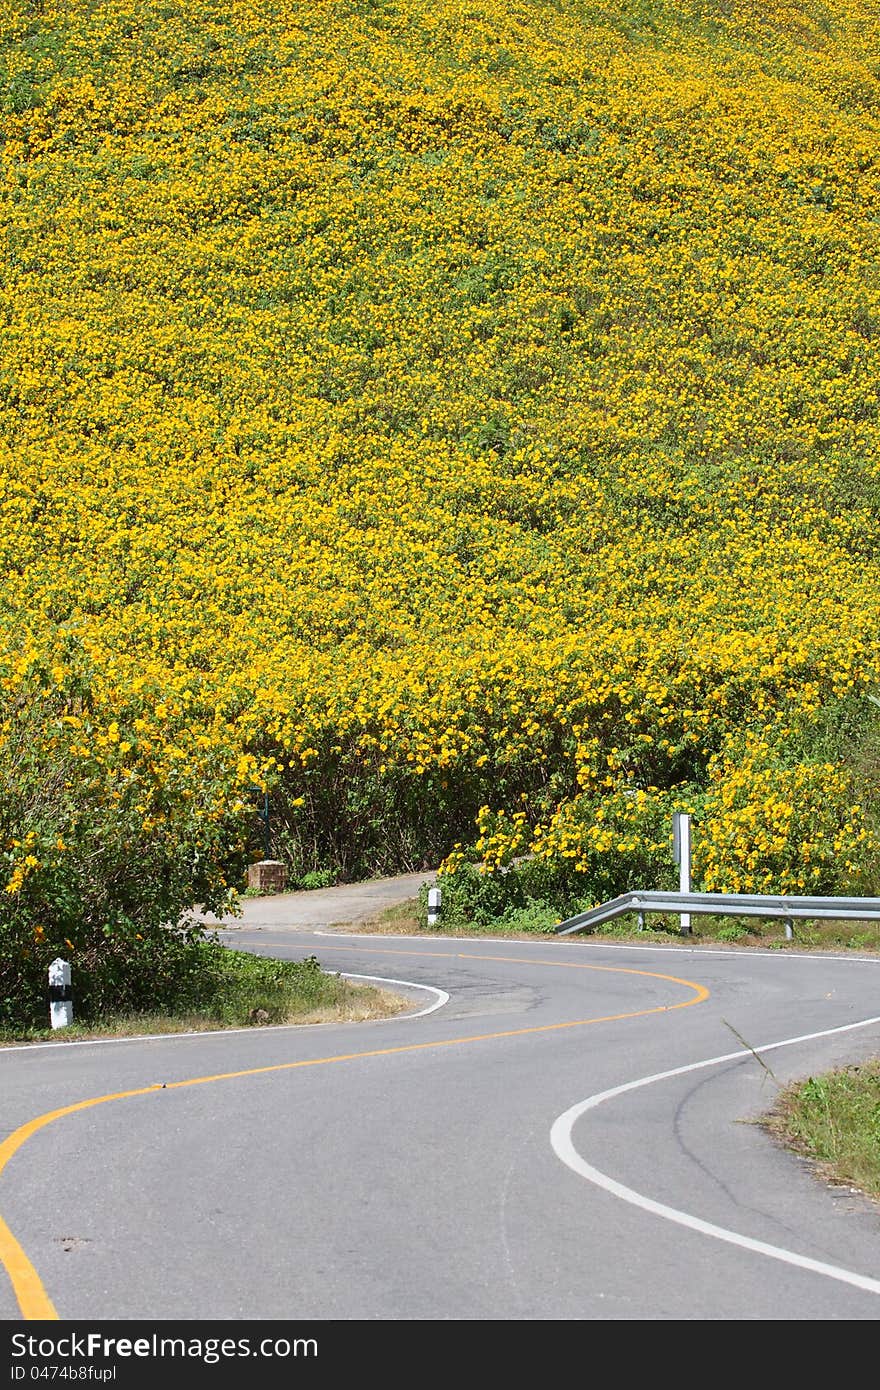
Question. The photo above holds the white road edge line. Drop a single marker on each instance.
(563, 1147)
(442, 998)
(602, 945)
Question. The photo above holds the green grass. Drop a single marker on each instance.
(835, 1121)
(749, 931)
(536, 919)
(409, 918)
(238, 990)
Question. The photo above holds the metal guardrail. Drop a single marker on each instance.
(725, 905)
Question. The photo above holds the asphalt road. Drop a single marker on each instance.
(454, 1163)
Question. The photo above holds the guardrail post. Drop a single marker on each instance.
(60, 994)
(789, 929)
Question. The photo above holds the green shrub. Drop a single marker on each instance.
(102, 853)
(317, 878)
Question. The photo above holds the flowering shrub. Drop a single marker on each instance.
(430, 411)
(107, 836)
(777, 823)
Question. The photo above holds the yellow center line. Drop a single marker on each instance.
(32, 1298)
(528, 960)
(520, 960)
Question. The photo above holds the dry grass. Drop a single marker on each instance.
(361, 1003)
(402, 919)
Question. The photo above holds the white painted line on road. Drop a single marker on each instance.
(442, 998)
(417, 936)
(563, 1147)
(665, 949)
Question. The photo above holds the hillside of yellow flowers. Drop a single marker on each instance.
(460, 418)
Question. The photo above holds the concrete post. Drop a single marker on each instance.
(434, 899)
(60, 996)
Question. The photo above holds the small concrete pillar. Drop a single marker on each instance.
(60, 994)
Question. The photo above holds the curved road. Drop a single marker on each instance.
(489, 1156)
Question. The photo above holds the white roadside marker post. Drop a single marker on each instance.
(681, 848)
(434, 900)
(60, 996)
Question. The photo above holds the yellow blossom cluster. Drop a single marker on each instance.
(772, 828)
(419, 407)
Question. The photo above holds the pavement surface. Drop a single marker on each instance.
(344, 905)
(559, 1130)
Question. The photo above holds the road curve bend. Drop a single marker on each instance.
(558, 1129)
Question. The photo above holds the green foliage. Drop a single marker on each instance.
(237, 988)
(345, 821)
(469, 897)
(735, 932)
(526, 897)
(317, 878)
(537, 916)
(205, 985)
(102, 853)
(22, 94)
(469, 909)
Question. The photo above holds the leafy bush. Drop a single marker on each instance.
(105, 844)
(734, 932)
(317, 878)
